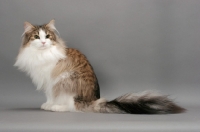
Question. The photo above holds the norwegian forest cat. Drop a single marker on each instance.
(68, 79)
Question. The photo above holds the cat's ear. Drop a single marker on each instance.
(51, 26)
(27, 27)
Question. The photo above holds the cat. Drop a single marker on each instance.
(69, 82)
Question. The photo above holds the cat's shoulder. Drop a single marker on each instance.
(72, 52)
(76, 57)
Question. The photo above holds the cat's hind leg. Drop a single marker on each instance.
(59, 108)
(63, 102)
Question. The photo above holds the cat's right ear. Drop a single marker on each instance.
(27, 27)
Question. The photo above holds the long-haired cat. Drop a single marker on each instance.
(68, 79)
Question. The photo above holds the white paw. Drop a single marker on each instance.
(46, 106)
(59, 108)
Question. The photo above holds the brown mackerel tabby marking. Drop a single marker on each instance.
(81, 81)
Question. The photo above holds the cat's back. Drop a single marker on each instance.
(75, 62)
(78, 60)
(75, 55)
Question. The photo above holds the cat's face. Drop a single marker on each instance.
(39, 37)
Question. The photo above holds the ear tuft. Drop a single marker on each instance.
(51, 26)
(27, 27)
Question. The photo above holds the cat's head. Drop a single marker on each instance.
(39, 37)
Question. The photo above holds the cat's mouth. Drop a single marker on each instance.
(43, 47)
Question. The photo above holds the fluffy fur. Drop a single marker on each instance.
(68, 79)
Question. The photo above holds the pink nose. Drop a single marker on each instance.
(43, 42)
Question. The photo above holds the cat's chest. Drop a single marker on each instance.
(41, 74)
(39, 64)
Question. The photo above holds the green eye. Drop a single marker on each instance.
(47, 36)
(36, 37)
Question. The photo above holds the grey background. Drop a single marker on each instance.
(133, 45)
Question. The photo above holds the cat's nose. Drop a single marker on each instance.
(43, 42)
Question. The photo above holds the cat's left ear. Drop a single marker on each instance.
(51, 26)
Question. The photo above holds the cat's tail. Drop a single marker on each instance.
(141, 103)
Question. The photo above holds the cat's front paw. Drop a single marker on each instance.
(46, 106)
(59, 108)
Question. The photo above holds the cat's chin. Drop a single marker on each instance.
(39, 47)
(43, 48)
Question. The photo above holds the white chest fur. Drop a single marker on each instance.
(38, 64)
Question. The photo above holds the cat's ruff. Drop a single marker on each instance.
(69, 81)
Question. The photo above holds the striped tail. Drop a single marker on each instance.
(142, 103)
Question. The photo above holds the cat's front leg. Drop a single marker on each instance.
(49, 103)
(46, 106)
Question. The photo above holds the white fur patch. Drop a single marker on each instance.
(42, 35)
(65, 101)
(38, 64)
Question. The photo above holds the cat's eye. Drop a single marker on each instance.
(47, 36)
(36, 37)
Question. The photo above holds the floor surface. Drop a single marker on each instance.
(16, 119)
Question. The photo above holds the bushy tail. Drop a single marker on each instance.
(142, 103)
